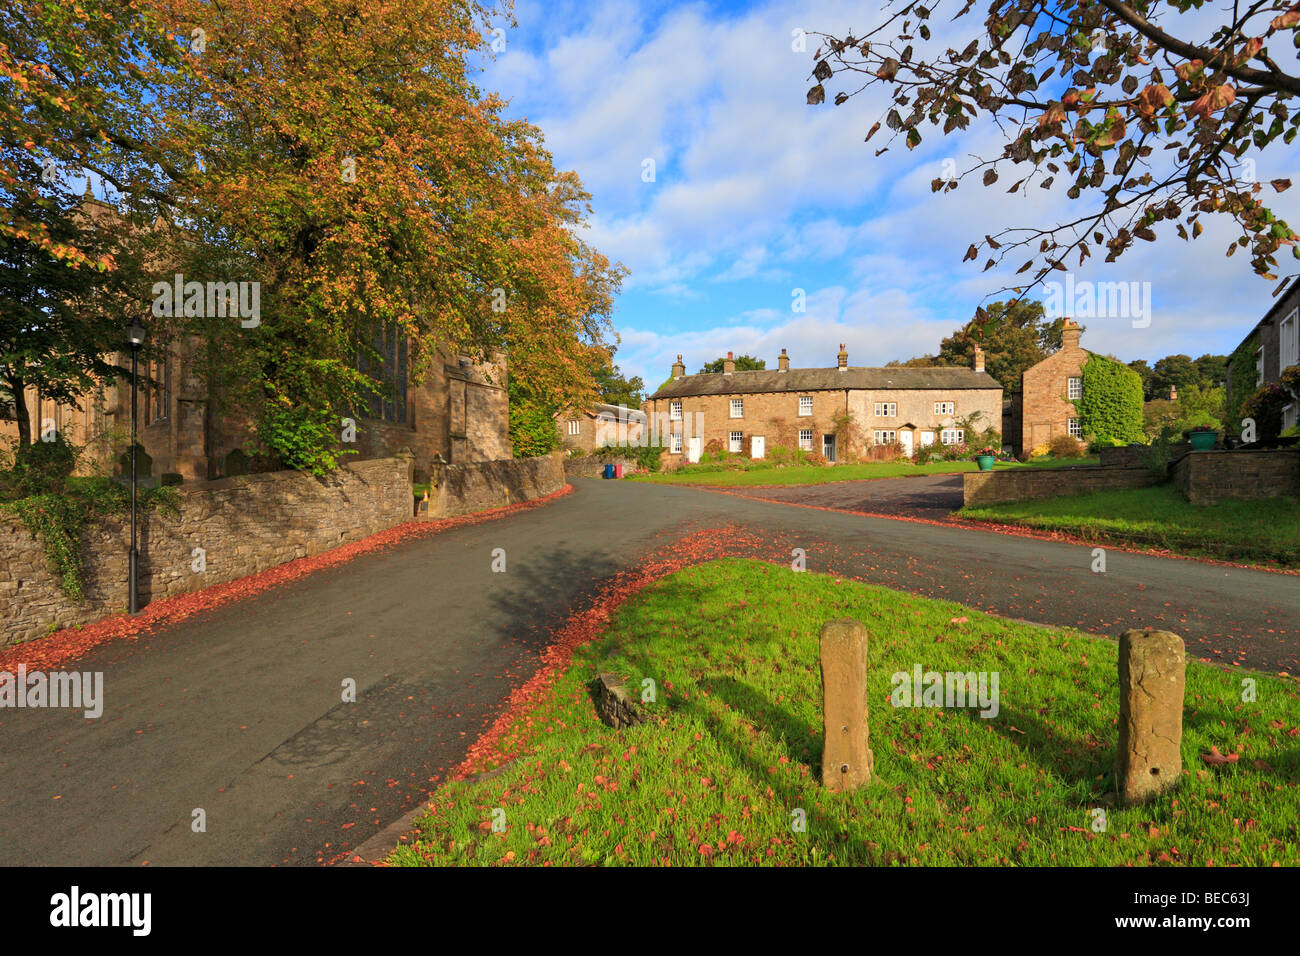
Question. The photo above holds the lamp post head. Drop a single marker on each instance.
(135, 334)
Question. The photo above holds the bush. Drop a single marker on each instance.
(533, 431)
(1111, 405)
(43, 467)
(1065, 446)
(1265, 406)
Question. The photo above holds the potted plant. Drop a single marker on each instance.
(1202, 437)
(985, 458)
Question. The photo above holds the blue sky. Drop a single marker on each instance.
(756, 194)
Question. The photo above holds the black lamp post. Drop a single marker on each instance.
(134, 336)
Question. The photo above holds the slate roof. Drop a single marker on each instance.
(825, 379)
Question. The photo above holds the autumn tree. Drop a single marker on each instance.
(615, 388)
(356, 172)
(77, 84)
(1126, 102)
(1014, 335)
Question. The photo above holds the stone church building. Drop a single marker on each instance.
(458, 414)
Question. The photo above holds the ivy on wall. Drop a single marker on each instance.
(1110, 410)
(1242, 376)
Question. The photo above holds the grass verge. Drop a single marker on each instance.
(1265, 532)
(735, 747)
(748, 475)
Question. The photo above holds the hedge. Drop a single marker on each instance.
(1110, 409)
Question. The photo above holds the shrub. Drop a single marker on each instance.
(1065, 446)
(1111, 405)
(1265, 406)
(43, 466)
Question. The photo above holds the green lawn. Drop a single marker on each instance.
(726, 475)
(735, 747)
(1265, 531)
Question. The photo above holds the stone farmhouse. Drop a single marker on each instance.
(602, 424)
(459, 414)
(839, 412)
(1042, 407)
(1275, 346)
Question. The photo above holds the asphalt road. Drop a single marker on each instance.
(239, 712)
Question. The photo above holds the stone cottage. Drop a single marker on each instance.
(587, 429)
(839, 412)
(1271, 347)
(1042, 407)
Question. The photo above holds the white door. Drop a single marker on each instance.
(756, 446)
(905, 439)
(694, 447)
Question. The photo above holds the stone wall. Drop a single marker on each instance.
(477, 486)
(243, 524)
(1024, 484)
(1208, 477)
(589, 466)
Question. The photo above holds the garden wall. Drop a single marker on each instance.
(1208, 477)
(243, 524)
(1024, 484)
(476, 486)
(589, 466)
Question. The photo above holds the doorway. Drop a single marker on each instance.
(828, 447)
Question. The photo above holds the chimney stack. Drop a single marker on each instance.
(1173, 393)
(844, 358)
(979, 359)
(1070, 336)
(678, 368)
(783, 362)
(729, 366)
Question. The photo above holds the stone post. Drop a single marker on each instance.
(846, 756)
(1152, 673)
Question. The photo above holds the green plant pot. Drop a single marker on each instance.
(985, 462)
(1202, 441)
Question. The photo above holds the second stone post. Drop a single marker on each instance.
(1152, 674)
(846, 754)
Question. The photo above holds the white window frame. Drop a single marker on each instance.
(805, 439)
(1074, 428)
(675, 410)
(805, 405)
(575, 427)
(674, 444)
(886, 409)
(952, 436)
(735, 442)
(945, 408)
(1288, 340)
(737, 408)
(885, 436)
(1073, 388)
